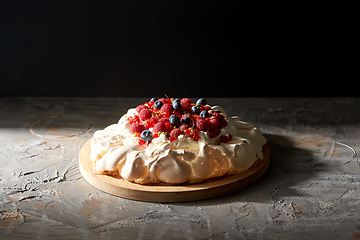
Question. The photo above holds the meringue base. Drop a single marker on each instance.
(163, 192)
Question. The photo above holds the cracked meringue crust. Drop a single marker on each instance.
(115, 151)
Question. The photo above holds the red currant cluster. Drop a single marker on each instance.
(175, 117)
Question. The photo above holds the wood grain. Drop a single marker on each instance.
(170, 193)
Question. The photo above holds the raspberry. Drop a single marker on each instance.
(169, 127)
(178, 112)
(224, 123)
(206, 107)
(136, 128)
(163, 120)
(226, 138)
(162, 100)
(183, 127)
(175, 132)
(186, 100)
(201, 124)
(160, 128)
(186, 107)
(218, 115)
(140, 108)
(145, 114)
(215, 122)
(167, 108)
(213, 132)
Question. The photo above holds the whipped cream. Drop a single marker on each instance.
(116, 151)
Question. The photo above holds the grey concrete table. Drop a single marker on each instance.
(311, 190)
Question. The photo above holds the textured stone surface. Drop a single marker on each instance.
(311, 190)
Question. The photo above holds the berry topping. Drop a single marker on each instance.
(139, 108)
(186, 120)
(158, 104)
(206, 107)
(218, 115)
(226, 138)
(201, 124)
(150, 122)
(174, 120)
(159, 128)
(186, 107)
(192, 133)
(195, 109)
(186, 100)
(169, 127)
(201, 101)
(183, 127)
(224, 123)
(134, 119)
(175, 132)
(214, 132)
(176, 104)
(145, 114)
(163, 120)
(174, 117)
(204, 114)
(146, 135)
(167, 108)
(136, 128)
(215, 122)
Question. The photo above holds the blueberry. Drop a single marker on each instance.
(153, 99)
(204, 114)
(195, 109)
(176, 105)
(201, 101)
(186, 120)
(174, 120)
(146, 135)
(176, 100)
(158, 104)
(217, 111)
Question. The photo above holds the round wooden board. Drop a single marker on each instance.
(170, 193)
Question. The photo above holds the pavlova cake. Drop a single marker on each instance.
(176, 141)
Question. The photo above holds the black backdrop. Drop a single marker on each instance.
(152, 48)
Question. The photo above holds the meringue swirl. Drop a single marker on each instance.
(115, 151)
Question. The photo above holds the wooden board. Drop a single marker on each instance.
(168, 193)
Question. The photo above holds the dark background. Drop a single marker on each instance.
(152, 48)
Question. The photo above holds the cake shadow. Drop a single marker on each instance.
(290, 165)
